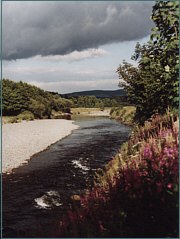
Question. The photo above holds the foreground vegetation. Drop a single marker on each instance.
(137, 196)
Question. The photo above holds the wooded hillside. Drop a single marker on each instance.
(18, 97)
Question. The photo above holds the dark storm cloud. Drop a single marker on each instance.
(57, 28)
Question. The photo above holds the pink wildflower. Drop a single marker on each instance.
(169, 185)
(156, 167)
(101, 226)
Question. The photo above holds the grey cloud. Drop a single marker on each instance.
(58, 28)
(57, 74)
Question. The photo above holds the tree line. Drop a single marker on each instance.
(154, 85)
(18, 97)
(80, 101)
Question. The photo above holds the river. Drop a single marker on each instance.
(36, 195)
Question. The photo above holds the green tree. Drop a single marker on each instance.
(114, 103)
(166, 36)
(107, 102)
(68, 105)
(15, 99)
(18, 97)
(154, 84)
(37, 108)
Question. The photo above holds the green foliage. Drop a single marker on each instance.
(115, 110)
(18, 97)
(60, 104)
(112, 110)
(37, 108)
(14, 120)
(26, 115)
(124, 114)
(80, 101)
(124, 100)
(154, 84)
(15, 99)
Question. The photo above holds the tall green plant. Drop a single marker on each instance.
(166, 37)
(154, 84)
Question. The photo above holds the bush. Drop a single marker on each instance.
(123, 112)
(26, 115)
(116, 109)
(120, 107)
(37, 108)
(129, 117)
(112, 110)
(117, 112)
(14, 120)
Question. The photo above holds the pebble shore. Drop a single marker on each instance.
(20, 141)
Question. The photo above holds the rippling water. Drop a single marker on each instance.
(36, 193)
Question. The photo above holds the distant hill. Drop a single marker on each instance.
(99, 93)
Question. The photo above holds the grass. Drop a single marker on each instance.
(124, 114)
(26, 115)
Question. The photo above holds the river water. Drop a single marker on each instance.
(35, 196)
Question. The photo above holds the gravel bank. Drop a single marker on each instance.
(22, 140)
(100, 113)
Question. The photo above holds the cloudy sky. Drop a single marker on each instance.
(71, 46)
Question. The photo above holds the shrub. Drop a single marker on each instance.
(120, 107)
(117, 112)
(26, 115)
(14, 120)
(112, 110)
(37, 108)
(123, 112)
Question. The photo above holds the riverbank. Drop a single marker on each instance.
(91, 111)
(22, 140)
(124, 115)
